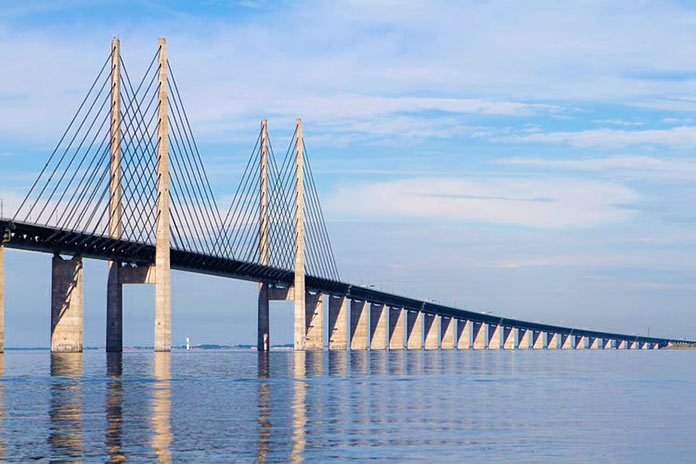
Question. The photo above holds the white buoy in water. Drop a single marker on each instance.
(188, 344)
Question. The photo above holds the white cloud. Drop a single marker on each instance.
(677, 137)
(645, 167)
(555, 203)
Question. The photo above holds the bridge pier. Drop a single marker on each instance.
(479, 330)
(552, 341)
(594, 343)
(66, 305)
(524, 337)
(447, 333)
(463, 334)
(414, 330)
(493, 337)
(508, 338)
(338, 322)
(378, 327)
(314, 320)
(607, 344)
(396, 328)
(430, 329)
(566, 342)
(537, 340)
(579, 342)
(263, 335)
(2, 294)
(358, 325)
(621, 344)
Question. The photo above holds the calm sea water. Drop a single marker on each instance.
(230, 406)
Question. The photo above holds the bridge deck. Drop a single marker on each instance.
(52, 240)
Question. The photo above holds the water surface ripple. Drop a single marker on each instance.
(435, 406)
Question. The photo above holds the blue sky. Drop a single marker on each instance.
(532, 159)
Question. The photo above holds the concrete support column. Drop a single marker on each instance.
(537, 340)
(508, 338)
(299, 286)
(447, 333)
(396, 328)
(633, 345)
(114, 288)
(263, 340)
(566, 342)
(163, 292)
(414, 330)
(358, 325)
(314, 318)
(378, 327)
(463, 334)
(655, 346)
(606, 344)
(594, 343)
(66, 305)
(525, 338)
(493, 337)
(621, 344)
(2, 295)
(338, 323)
(431, 330)
(552, 341)
(579, 342)
(479, 330)
(644, 346)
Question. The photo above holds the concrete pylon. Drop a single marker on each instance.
(414, 330)
(2, 294)
(338, 323)
(633, 345)
(114, 288)
(508, 338)
(66, 305)
(163, 291)
(447, 333)
(299, 298)
(645, 346)
(478, 332)
(358, 325)
(378, 327)
(552, 341)
(566, 342)
(396, 328)
(538, 340)
(524, 336)
(431, 331)
(493, 337)
(621, 345)
(314, 318)
(263, 337)
(579, 342)
(606, 344)
(463, 334)
(594, 343)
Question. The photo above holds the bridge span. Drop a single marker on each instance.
(126, 184)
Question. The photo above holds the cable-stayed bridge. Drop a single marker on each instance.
(127, 184)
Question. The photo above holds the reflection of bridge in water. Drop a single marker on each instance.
(126, 184)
